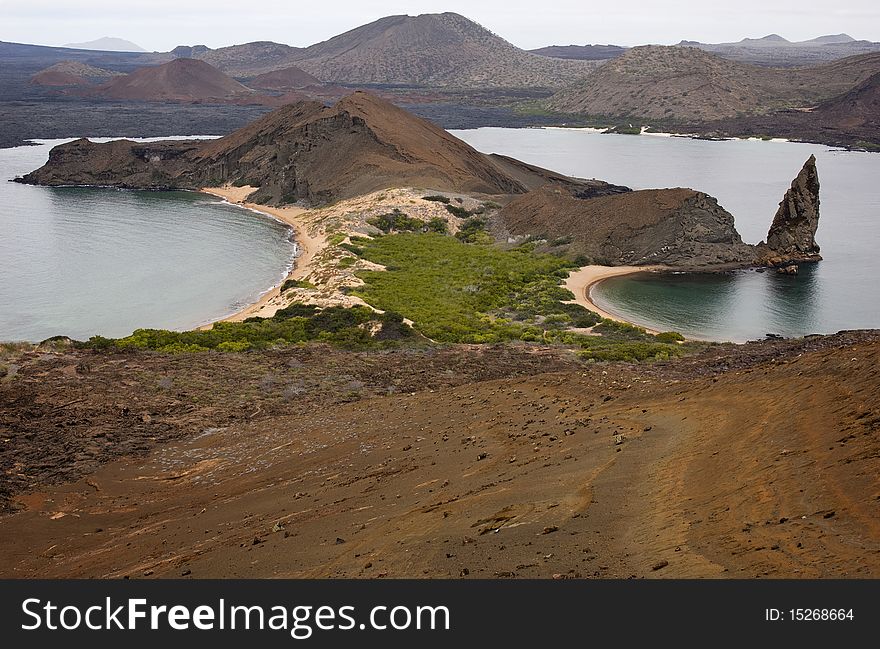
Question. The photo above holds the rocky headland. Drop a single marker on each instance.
(313, 155)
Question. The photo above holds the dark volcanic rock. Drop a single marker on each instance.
(121, 163)
(792, 236)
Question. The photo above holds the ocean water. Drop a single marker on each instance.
(80, 262)
(749, 178)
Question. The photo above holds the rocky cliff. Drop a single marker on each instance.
(792, 235)
(675, 227)
(121, 163)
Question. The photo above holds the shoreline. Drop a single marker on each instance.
(581, 282)
(307, 246)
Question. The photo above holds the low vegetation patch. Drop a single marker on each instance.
(296, 283)
(452, 291)
(474, 230)
(460, 289)
(397, 221)
(458, 210)
(351, 328)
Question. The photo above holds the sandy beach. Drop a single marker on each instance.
(308, 246)
(582, 280)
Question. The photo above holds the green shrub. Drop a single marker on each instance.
(438, 225)
(620, 330)
(669, 337)
(99, 342)
(396, 221)
(353, 249)
(234, 346)
(295, 283)
(631, 352)
(182, 348)
(473, 230)
(458, 211)
(436, 198)
(291, 311)
(298, 323)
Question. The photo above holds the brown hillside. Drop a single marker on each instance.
(687, 84)
(857, 109)
(291, 78)
(851, 119)
(361, 144)
(186, 80)
(250, 59)
(652, 226)
(746, 461)
(71, 73)
(304, 151)
(436, 50)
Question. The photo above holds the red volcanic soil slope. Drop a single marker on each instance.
(71, 73)
(759, 460)
(291, 78)
(186, 80)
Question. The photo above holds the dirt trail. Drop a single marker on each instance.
(729, 466)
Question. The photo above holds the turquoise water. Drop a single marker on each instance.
(749, 179)
(79, 262)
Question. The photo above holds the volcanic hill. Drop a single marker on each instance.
(446, 50)
(290, 78)
(484, 461)
(108, 44)
(685, 84)
(437, 50)
(302, 151)
(858, 108)
(71, 73)
(248, 59)
(184, 80)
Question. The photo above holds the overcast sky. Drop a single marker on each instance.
(162, 24)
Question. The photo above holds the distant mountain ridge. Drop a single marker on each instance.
(774, 40)
(774, 50)
(108, 44)
(581, 52)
